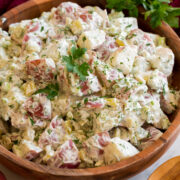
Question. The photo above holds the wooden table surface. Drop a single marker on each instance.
(172, 152)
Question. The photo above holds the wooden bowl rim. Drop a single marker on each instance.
(156, 147)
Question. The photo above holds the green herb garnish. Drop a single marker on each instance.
(157, 10)
(32, 121)
(42, 28)
(51, 90)
(16, 142)
(49, 131)
(85, 100)
(164, 90)
(76, 141)
(72, 65)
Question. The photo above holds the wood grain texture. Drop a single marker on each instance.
(170, 170)
(124, 168)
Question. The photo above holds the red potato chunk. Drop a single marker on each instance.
(94, 146)
(154, 134)
(31, 155)
(108, 75)
(41, 69)
(38, 107)
(27, 150)
(66, 9)
(127, 87)
(90, 104)
(66, 156)
(91, 85)
(93, 102)
(145, 44)
(33, 27)
(73, 11)
(70, 83)
(105, 50)
(69, 11)
(54, 133)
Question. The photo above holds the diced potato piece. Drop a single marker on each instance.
(18, 30)
(126, 23)
(115, 14)
(153, 135)
(106, 119)
(91, 85)
(29, 134)
(170, 101)
(91, 39)
(163, 60)
(54, 134)
(106, 49)
(123, 58)
(61, 105)
(6, 142)
(143, 41)
(136, 135)
(41, 69)
(157, 81)
(94, 146)
(124, 88)
(140, 67)
(83, 156)
(122, 133)
(153, 114)
(56, 49)
(78, 26)
(29, 88)
(32, 43)
(121, 150)
(68, 126)
(18, 120)
(27, 150)
(93, 102)
(49, 153)
(107, 74)
(158, 40)
(3, 57)
(66, 156)
(132, 121)
(39, 107)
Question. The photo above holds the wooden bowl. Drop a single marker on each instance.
(168, 170)
(124, 168)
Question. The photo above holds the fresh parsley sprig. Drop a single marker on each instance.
(157, 10)
(50, 90)
(72, 65)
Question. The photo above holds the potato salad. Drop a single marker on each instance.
(83, 88)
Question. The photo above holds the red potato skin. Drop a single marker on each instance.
(40, 70)
(38, 111)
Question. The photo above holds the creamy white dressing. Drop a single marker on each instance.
(64, 117)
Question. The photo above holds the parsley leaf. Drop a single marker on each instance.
(77, 52)
(42, 28)
(51, 90)
(157, 10)
(32, 121)
(82, 70)
(49, 131)
(72, 65)
(69, 63)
